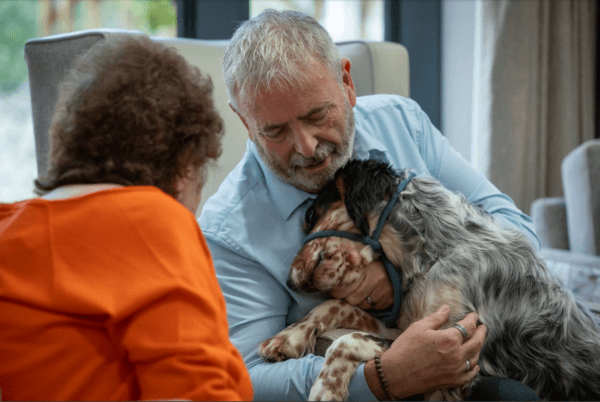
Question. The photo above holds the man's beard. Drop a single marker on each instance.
(312, 182)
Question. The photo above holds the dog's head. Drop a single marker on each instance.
(352, 202)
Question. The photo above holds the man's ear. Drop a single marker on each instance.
(242, 119)
(347, 81)
(179, 186)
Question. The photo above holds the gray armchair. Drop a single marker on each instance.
(569, 227)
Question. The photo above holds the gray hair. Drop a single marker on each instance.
(276, 48)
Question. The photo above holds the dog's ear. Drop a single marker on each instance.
(366, 185)
(400, 240)
(354, 204)
(361, 185)
(320, 205)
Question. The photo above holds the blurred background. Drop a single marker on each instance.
(21, 20)
(512, 84)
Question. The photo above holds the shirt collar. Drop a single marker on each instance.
(367, 147)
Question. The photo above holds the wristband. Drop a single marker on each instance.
(382, 380)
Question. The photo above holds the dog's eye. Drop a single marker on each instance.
(309, 215)
(311, 219)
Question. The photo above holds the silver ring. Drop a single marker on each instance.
(463, 330)
(369, 301)
(468, 367)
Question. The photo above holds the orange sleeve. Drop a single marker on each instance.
(173, 325)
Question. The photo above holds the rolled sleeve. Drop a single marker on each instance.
(457, 174)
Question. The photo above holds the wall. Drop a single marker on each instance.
(458, 29)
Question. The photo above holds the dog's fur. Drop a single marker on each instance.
(450, 252)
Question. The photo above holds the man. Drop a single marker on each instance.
(295, 95)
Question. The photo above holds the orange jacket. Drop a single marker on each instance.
(112, 295)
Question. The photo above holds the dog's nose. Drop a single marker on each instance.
(290, 284)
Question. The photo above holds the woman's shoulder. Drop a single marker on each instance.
(145, 205)
(136, 196)
(139, 208)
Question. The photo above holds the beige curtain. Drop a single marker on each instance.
(534, 91)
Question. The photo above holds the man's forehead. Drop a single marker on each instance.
(278, 106)
(312, 76)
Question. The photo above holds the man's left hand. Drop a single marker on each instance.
(373, 292)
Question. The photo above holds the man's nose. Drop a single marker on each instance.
(305, 140)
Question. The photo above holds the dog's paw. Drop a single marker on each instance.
(325, 390)
(333, 380)
(291, 343)
(341, 360)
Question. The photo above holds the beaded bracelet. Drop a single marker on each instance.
(382, 380)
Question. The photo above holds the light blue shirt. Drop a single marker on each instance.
(253, 228)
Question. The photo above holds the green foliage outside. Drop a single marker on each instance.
(161, 13)
(18, 23)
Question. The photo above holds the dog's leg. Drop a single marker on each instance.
(443, 289)
(341, 360)
(299, 339)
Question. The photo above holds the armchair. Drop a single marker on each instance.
(378, 67)
(569, 227)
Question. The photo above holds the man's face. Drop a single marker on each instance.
(306, 133)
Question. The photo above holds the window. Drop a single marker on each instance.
(21, 20)
(343, 19)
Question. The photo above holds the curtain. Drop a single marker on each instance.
(533, 93)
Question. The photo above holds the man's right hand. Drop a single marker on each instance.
(424, 358)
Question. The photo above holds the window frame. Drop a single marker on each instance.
(416, 24)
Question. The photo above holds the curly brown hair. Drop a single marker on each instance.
(133, 112)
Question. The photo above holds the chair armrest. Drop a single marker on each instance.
(579, 272)
(550, 219)
(581, 186)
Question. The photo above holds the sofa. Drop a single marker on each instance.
(569, 226)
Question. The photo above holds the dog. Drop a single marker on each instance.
(447, 251)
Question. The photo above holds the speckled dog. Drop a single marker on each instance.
(449, 252)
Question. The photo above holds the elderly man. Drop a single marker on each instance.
(295, 95)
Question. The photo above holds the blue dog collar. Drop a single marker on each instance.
(389, 318)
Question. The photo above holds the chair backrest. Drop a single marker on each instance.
(377, 67)
(581, 185)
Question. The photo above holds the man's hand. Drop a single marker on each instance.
(375, 285)
(424, 359)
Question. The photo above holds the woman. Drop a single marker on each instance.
(107, 288)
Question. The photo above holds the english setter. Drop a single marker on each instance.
(448, 252)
